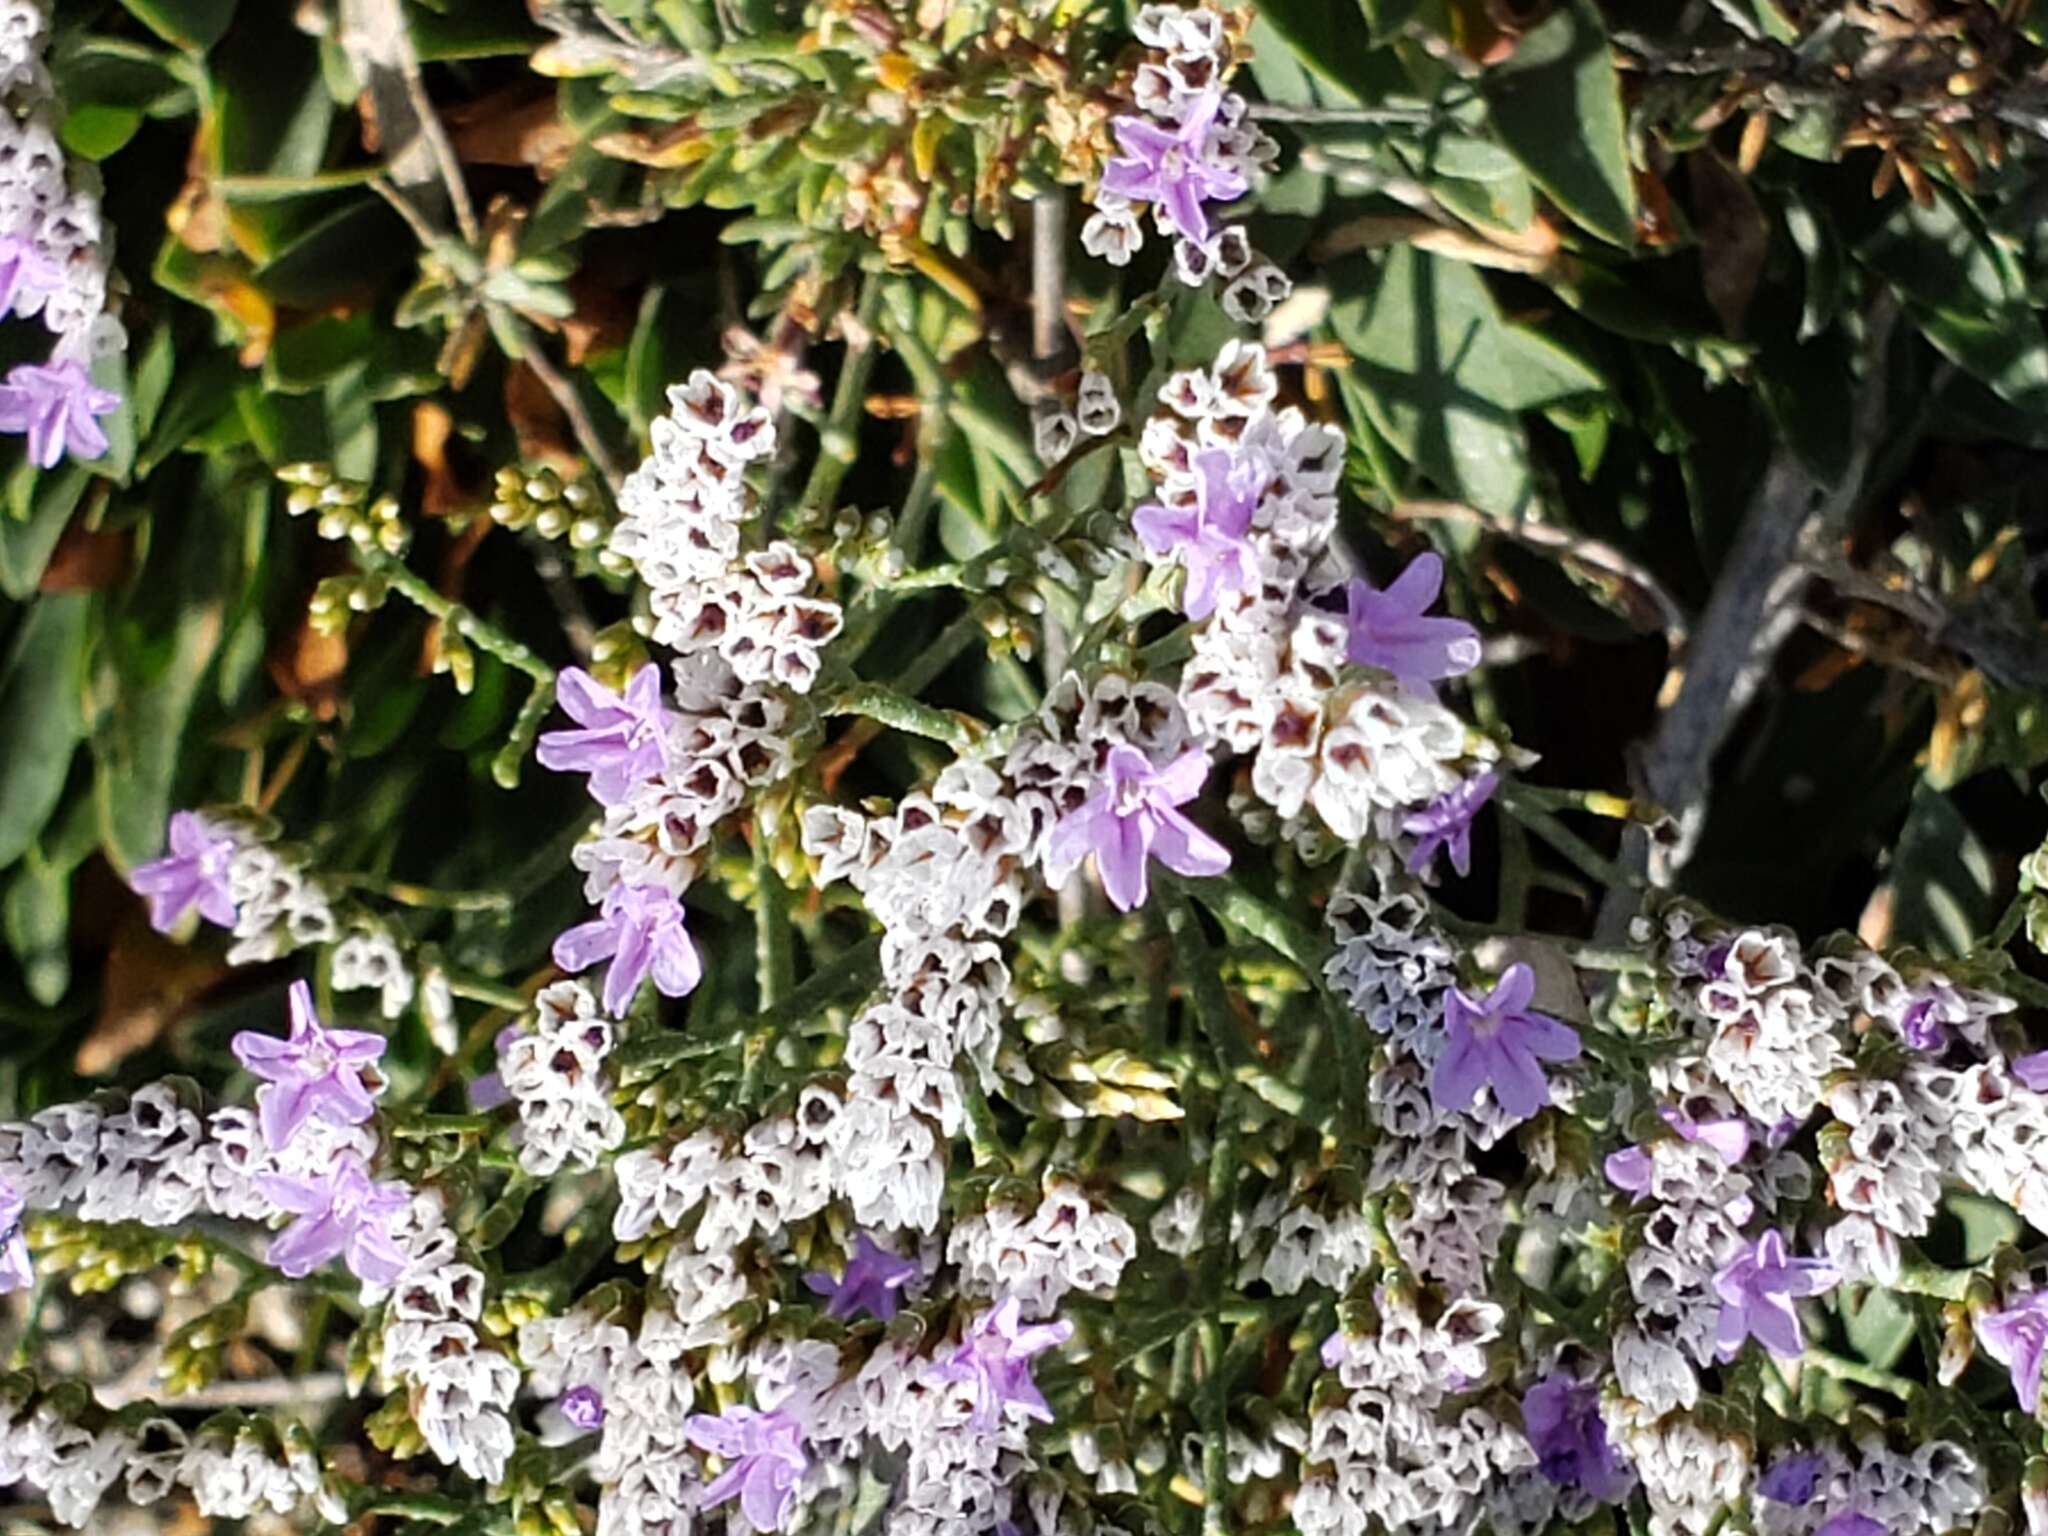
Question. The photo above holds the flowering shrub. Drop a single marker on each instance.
(1182, 976)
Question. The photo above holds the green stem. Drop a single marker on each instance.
(477, 990)
(479, 632)
(839, 437)
(511, 758)
(1855, 1371)
(1589, 860)
(409, 895)
(899, 711)
(774, 955)
(1199, 975)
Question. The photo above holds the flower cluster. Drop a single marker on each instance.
(1190, 144)
(554, 1072)
(1423, 1223)
(53, 258)
(686, 515)
(229, 867)
(234, 1467)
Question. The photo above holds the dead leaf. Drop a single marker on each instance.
(308, 667)
(446, 493)
(542, 428)
(148, 985)
(602, 320)
(514, 126)
(1733, 233)
(87, 560)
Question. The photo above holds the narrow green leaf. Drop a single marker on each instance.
(193, 24)
(1556, 102)
(41, 714)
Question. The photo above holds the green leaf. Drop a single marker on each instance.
(1942, 878)
(1962, 291)
(1988, 1225)
(41, 714)
(1323, 36)
(36, 917)
(38, 508)
(303, 357)
(1879, 1325)
(1442, 377)
(1556, 103)
(194, 24)
(96, 131)
(159, 638)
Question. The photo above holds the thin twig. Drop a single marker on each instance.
(1592, 554)
(272, 1392)
(1755, 604)
(592, 442)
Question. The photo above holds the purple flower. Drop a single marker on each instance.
(764, 1456)
(24, 270)
(55, 404)
(1728, 1137)
(1756, 1288)
(582, 1407)
(1850, 1523)
(1446, 822)
(873, 1277)
(996, 1356)
(1791, 1479)
(1499, 1041)
(1132, 818)
(16, 1271)
(489, 1090)
(1391, 630)
(2032, 1070)
(2015, 1338)
(623, 736)
(1631, 1168)
(193, 874)
(640, 929)
(1209, 536)
(316, 1073)
(1173, 168)
(1562, 1417)
(342, 1212)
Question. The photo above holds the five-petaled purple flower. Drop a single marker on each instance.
(316, 1073)
(1172, 167)
(24, 270)
(1131, 818)
(1562, 1417)
(342, 1212)
(996, 1356)
(622, 741)
(1392, 630)
(194, 873)
(1210, 535)
(1498, 1040)
(873, 1277)
(582, 1407)
(641, 930)
(1757, 1288)
(56, 405)
(1791, 1479)
(1851, 1523)
(16, 1271)
(764, 1456)
(1446, 822)
(2015, 1337)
